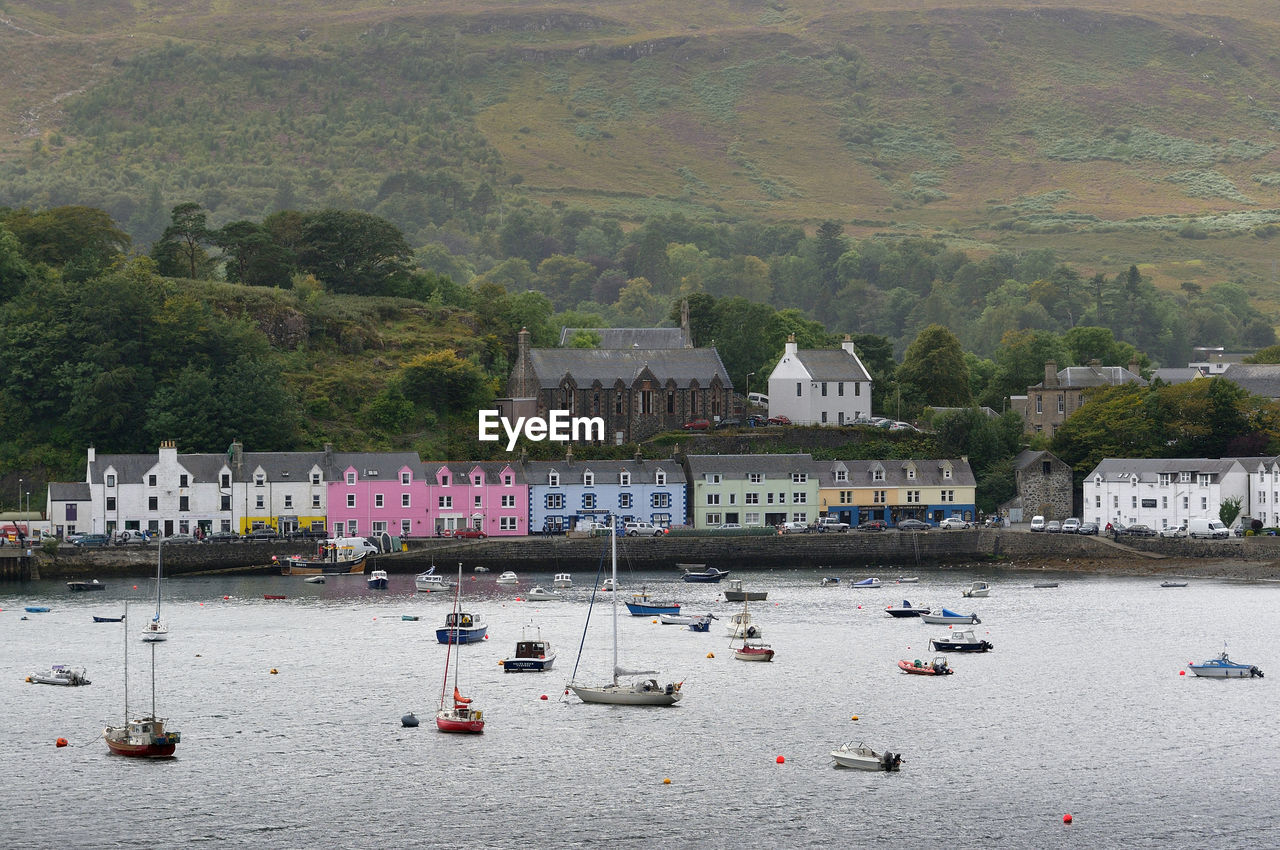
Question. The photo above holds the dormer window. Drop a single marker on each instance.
(315, 478)
(506, 481)
(911, 473)
(660, 478)
(259, 479)
(946, 472)
(478, 480)
(624, 479)
(754, 477)
(588, 479)
(404, 477)
(799, 477)
(111, 480)
(877, 474)
(553, 479)
(444, 480)
(351, 478)
(713, 478)
(842, 475)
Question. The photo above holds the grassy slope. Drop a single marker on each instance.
(735, 109)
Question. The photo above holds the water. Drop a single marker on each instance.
(1080, 708)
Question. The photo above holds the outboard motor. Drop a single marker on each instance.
(1254, 671)
(670, 689)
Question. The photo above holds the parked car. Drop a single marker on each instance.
(91, 541)
(260, 534)
(779, 420)
(1088, 528)
(912, 525)
(131, 536)
(1071, 525)
(1116, 529)
(174, 539)
(729, 526)
(873, 525)
(1211, 528)
(757, 420)
(731, 422)
(642, 529)
(830, 523)
(1174, 531)
(902, 426)
(469, 533)
(954, 522)
(1140, 530)
(1037, 523)
(223, 537)
(1052, 527)
(859, 420)
(794, 528)
(697, 425)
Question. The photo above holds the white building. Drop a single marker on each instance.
(1164, 492)
(1264, 490)
(820, 387)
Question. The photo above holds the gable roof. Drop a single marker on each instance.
(929, 473)
(1094, 376)
(1261, 379)
(70, 491)
(606, 472)
(739, 466)
(385, 466)
(633, 337)
(490, 469)
(588, 365)
(1027, 457)
(1149, 469)
(831, 364)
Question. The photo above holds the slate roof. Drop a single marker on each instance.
(826, 364)
(490, 469)
(633, 337)
(1148, 470)
(1095, 376)
(1176, 375)
(588, 365)
(929, 473)
(605, 471)
(131, 469)
(70, 491)
(1027, 457)
(385, 465)
(1261, 379)
(738, 466)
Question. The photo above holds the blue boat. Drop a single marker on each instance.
(37, 609)
(98, 619)
(867, 582)
(377, 580)
(707, 575)
(462, 628)
(1223, 667)
(641, 605)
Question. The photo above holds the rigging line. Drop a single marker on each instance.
(590, 607)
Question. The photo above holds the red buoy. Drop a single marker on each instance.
(61, 742)
(781, 760)
(1182, 672)
(544, 696)
(1066, 818)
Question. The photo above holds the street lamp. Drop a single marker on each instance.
(748, 390)
(19, 494)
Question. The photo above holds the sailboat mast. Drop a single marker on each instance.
(126, 662)
(153, 680)
(159, 562)
(452, 624)
(613, 555)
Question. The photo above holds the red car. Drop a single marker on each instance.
(473, 533)
(779, 420)
(697, 425)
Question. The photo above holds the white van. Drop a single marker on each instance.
(1207, 528)
(1037, 523)
(758, 399)
(351, 546)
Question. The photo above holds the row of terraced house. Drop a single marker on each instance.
(366, 493)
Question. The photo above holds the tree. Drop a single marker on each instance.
(933, 370)
(1229, 510)
(83, 241)
(15, 271)
(180, 249)
(444, 382)
(829, 246)
(353, 252)
(252, 257)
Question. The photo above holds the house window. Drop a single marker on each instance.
(506, 481)
(913, 497)
(1135, 502)
(1204, 503)
(769, 498)
(288, 503)
(1164, 502)
(877, 474)
(1184, 502)
(751, 499)
(624, 500)
(1097, 501)
(840, 389)
(315, 479)
(1203, 480)
(555, 501)
(646, 401)
(111, 503)
(799, 388)
(379, 526)
(754, 477)
(478, 502)
(948, 496)
(588, 479)
(713, 519)
(751, 518)
(153, 503)
(846, 497)
(404, 500)
(1184, 477)
(184, 503)
(800, 516)
(1062, 407)
(446, 503)
(877, 496)
(377, 500)
(111, 480)
(713, 498)
(508, 501)
(508, 523)
(225, 503)
(259, 479)
(824, 389)
(660, 478)
(671, 402)
(351, 478)
(225, 481)
(259, 505)
(444, 480)
(624, 479)
(842, 475)
(824, 417)
(946, 472)
(404, 477)
(1165, 478)
(183, 481)
(782, 498)
(799, 477)
(478, 480)
(713, 478)
(353, 527)
(1115, 501)
(553, 479)
(799, 498)
(911, 473)
(589, 502)
(661, 500)
(406, 527)
(857, 390)
(1039, 404)
(315, 501)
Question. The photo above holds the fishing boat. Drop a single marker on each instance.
(643, 605)
(508, 577)
(538, 593)
(979, 589)
(157, 629)
(960, 640)
(377, 580)
(1223, 667)
(751, 649)
(906, 609)
(937, 667)
(332, 560)
(617, 692)
(60, 674)
(98, 619)
(142, 737)
(862, 757)
(533, 654)
(81, 586)
(429, 582)
(314, 579)
(867, 582)
(950, 618)
(462, 716)
(36, 609)
(562, 581)
(460, 627)
(735, 593)
(703, 575)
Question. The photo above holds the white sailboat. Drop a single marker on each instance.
(157, 629)
(635, 692)
(141, 737)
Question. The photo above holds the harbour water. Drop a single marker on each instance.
(1079, 709)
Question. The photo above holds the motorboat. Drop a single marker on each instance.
(950, 618)
(735, 593)
(960, 640)
(678, 619)
(60, 674)
(562, 581)
(314, 579)
(702, 624)
(480, 569)
(1173, 584)
(98, 619)
(753, 650)
(906, 609)
(429, 582)
(862, 757)
(936, 667)
(81, 586)
(707, 575)
(608, 585)
(829, 581)
(907, 580)
(977, 589)
(533, 654)
(508, 577)
(377, 580)
(538, 593)
(36, 609)
(867, 582)
(741, 626)
(1223, 667)
(643, 605)
(460, 627)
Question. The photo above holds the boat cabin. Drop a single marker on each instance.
(453, 620)
(531, 649)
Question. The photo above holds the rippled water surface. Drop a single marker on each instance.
(1080, 708)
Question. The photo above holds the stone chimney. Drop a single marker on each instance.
(93, 454)
(568, 454)
(1050, 374)
(791, 346)
(639, 456)
(1133, 367)
(522, 377)
(169, 449)
(684, 323)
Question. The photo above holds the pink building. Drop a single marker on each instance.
(491, 496)
(373, 492)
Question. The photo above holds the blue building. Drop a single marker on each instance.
(563, 492)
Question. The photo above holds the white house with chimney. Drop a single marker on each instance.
(1166, 492)
(820, 386)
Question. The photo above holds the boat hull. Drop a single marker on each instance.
(81, 586)
(864, 758)
(465, 720)
(976, 594)
(638, 609)
(944, 619)
(98, 619)
(462, 634)
(746, 595)
(867, 582)
(924, 670)
(649, 693)
(142, 751)
(377, 584)
(753, 653)
(144, 739)
(1231, 671)
(527, 665)
(59, 675)
(312, 567)
(961, 646)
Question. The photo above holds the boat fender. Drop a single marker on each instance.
(466, 619)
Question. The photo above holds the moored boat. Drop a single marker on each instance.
(377, 580)
(829, 581)
(705, 575)
(735, 593)
(750, 649)
(1223, 667)
(741, 626)
(562, 580)
(977, 589)
(862, 757)
(98, 619)
(155, 628)
(1173, 584)
(508, 577)
(429, 582)
(336, 556)
(867, 582)
(142, 737)
(643, 605)
(533, 654)
(460, 627)
(907, 580)
(59, 674)
(960, 640)
(538, 593)
(314, 579)
(36, 609)
(950, 618)
(936, 667)
(462, 716)
(81, 586)
(907, 610)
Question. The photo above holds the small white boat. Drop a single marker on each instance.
(950, 618)
(977, 589)
(608, 584)
(429, 582)
(539, 593)
(867, 582)
(314, 579)
(908, 579)
(562, 580)
(59, 674)
(377, 580)
(862, 757)
(508, 578)
(677, 619)
(741, 626)
(829, 581)
(753, 650)
(480, 569)
(1223, 667)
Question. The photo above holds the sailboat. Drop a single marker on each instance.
(157, 629)
(751, 650)
(640, 692)
(462, 717)
(145, 737)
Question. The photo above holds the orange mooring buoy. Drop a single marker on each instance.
(61, 742)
